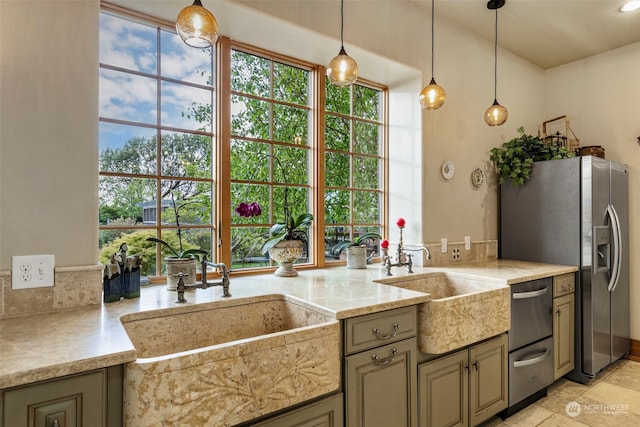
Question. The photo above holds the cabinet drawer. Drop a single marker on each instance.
(563, 284)
(372, 330)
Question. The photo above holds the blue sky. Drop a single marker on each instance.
(132, 97)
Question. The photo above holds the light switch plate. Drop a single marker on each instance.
(32, 271)
(467, 243)
(443, 245)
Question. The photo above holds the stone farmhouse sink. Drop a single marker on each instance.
(461, 311)
(227, 362)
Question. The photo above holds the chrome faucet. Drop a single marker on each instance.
(401, 259)
(204, 284)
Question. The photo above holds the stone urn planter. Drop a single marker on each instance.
(357, 257)
(285, 253)
(176, 265)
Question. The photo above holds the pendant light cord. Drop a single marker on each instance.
(342, 24)
(432, 34)
(495, 62)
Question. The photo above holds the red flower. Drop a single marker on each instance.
(384, 244)
(401, 222)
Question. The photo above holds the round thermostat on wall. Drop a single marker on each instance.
(448, 170)
(477, 177)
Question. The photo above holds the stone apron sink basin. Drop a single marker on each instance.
(226, 362)
(462, 311)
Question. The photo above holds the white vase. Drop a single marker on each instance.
(285, 253)
(357, 257)
(180, 265)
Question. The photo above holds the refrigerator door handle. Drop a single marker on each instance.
(615, 265)
(618, 238)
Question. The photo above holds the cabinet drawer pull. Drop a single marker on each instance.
(381, 337)
(379, 362)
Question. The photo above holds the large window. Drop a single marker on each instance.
(172, 147)
(155, 141)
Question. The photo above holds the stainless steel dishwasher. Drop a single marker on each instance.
(530, 343)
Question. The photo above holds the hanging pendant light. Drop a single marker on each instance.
(343, 69)
(432, 96)
(197, 26)
(495, 115)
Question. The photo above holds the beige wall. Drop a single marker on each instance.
(48, 111)
(601, 95)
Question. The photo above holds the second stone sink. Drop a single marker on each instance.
(227, 362)
(462, 311)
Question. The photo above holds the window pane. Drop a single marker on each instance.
(245, 247)
(127, 149)
(128, 97)
(186, 155)
(249, 160)
(182, 62)
(366, 138)
(294, 163)
(249, 117)
(290, 84)
(336, 206)
(365, 172)
(373, 245)
(337, 98)
(333, 236)
(191, 238)
(337, 134)
(366, 102)
(366, 207)
(249, 74)
(192, 201)
(121, 199)
(248, 194)
(290, 124)
(128, 44)
(336, 169)
(186, 107)
(136, 240)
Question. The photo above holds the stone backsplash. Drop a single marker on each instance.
(73, 287)
(480, 250)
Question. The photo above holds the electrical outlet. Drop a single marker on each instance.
(443, 245)
(32, 271)
(456, 253)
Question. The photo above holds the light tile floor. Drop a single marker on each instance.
(612, 399)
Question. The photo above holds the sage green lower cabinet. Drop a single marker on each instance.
(88, 399)
(324, 413)
(380, 386)
(466, 387)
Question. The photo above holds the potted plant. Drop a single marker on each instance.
(286, 239)
(514, 159)
(356, 249)
(183, 260)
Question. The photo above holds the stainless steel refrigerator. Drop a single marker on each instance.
(576, 212)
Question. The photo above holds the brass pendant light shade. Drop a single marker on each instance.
(196, 26)
(496, 114)
(432, 96)
(343, 69)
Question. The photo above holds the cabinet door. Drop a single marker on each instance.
(325, 413)
(71, 401)
(443, 394)
(381, 386)
(488, 365)
(563, 335)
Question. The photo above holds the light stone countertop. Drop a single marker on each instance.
(49, 345)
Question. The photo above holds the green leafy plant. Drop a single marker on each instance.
(180, 251)
(358, 241)
(514, 159)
